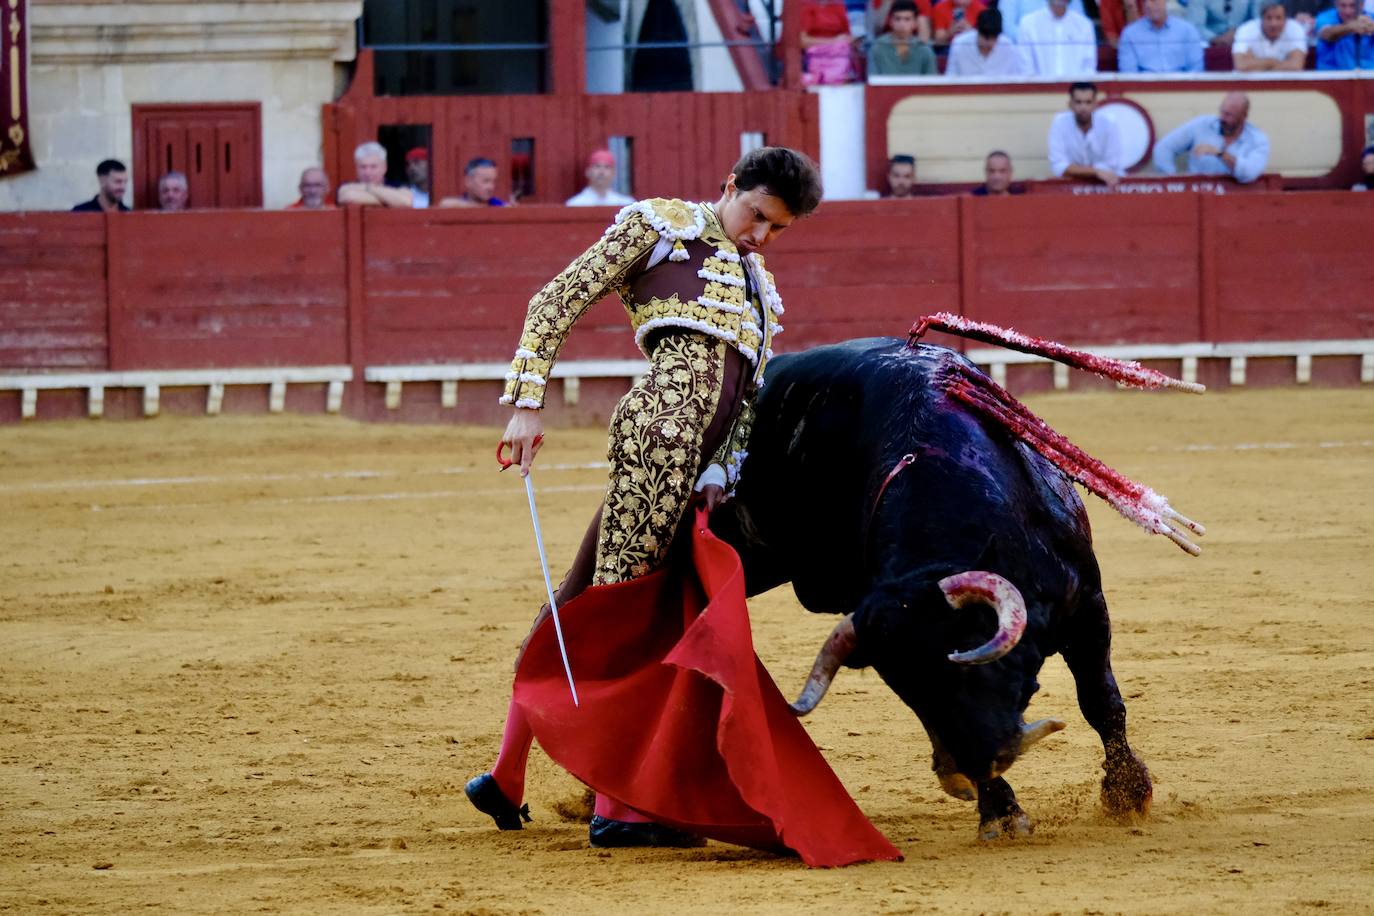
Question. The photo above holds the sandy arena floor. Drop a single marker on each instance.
(246, 665)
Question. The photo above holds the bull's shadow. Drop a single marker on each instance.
(872, 488)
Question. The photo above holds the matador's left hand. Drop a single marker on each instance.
(712, 495)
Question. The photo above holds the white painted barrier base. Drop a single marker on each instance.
(153, 381)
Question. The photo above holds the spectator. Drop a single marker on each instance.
(1220, 145)
(880, 10)
(314, 188)
(951, 18)
(996, 177)
(1345, 38)
(1271, 42)
(827, 45)
(1159, 43)
(600, 190)
(173, 192)
(417, 173)
(899, 51)
(1117, 14)
(901, 177)
(479, 186)
(985, 51)
(1083, 145)
(1014, 13)
(1304, 12)
(1366, 182)
(371, 190)
(114, 181)
(1058, 41)
(1216, 20)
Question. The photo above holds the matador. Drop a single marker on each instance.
(704, 311)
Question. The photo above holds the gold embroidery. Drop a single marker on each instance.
(555, 308)
(655, 450)
(719, 308)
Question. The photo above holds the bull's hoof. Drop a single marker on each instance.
(957, 785)
(1015, 824)
(1126, 789)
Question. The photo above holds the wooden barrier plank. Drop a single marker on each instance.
(1292, 266)
(230, 289)
(52, 291)
(1077, 271)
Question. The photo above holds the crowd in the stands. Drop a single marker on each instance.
(848, 40)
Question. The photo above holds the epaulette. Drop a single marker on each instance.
(673, 219)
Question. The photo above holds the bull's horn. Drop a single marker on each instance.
(836, 649)
(1037, 730)
(978, 586)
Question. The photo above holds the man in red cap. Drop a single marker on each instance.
(600, 190)
(417, 173)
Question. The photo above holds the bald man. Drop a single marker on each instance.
(1220, 144)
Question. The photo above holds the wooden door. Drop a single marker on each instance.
(218, 147)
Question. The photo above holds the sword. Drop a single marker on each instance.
(544, 564)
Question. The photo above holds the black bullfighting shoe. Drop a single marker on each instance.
(486, 796)
(607, 833)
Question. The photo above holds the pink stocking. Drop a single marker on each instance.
(613, 810)
(509, 771)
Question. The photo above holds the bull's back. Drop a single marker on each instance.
(833, 423)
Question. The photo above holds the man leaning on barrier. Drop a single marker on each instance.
(1220, 144)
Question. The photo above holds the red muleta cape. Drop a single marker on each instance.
(681, 721)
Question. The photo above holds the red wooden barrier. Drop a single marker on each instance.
(377, 288)
(452, 285)
(1077, 271)
(223, 289)
(857, 269)
(1287, 272)
(52, 291)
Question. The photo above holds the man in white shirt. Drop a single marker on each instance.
(1271, 42)
(1083, 145)
(1058, 42)
(985, 51)
(600, 190)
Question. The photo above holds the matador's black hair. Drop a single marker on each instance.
(787, 174)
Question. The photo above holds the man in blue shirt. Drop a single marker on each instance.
(1159, 43)
(1345, 38)
(1221, 145)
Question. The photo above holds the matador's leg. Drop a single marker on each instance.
(509, 770)
(655, 454)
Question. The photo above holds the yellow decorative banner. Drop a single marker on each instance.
(16, 154)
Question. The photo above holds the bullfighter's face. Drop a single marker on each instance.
(752, 218)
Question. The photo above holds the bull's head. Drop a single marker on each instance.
(970, 706)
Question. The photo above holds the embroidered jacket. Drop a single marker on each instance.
(702, 287)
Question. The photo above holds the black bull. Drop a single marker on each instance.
(812, 509)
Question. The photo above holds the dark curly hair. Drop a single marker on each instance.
(785, 173)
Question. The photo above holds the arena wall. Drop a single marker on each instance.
(413, 314)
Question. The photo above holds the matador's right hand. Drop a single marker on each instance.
(525, 435)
